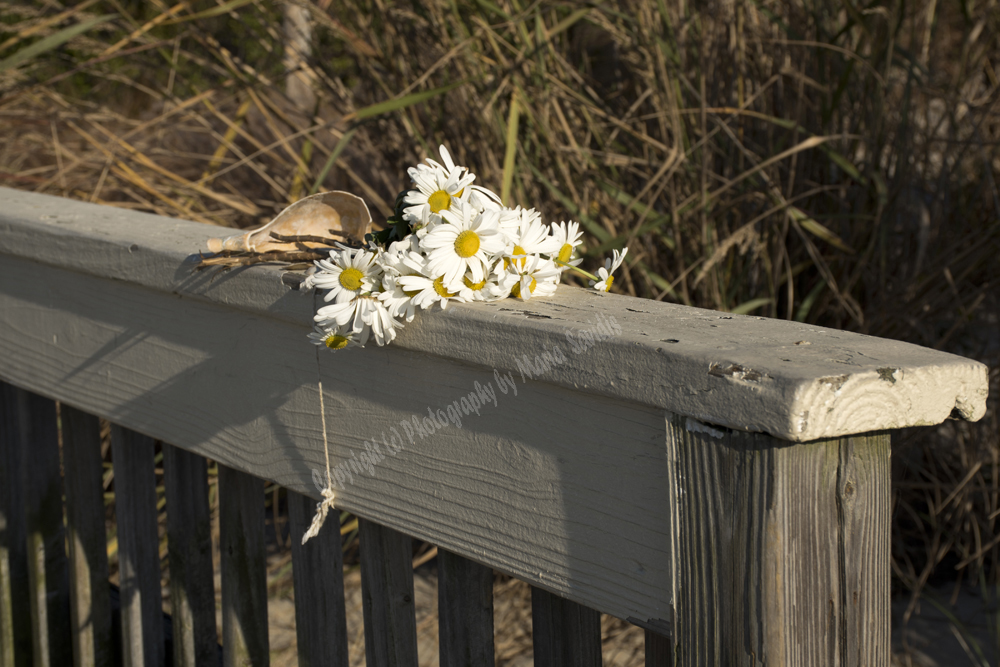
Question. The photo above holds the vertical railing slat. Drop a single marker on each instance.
(564, 632)
(48, 576)
(387, 596)
(659, 650)
(318, 571)
(465, 612)
(244, 569)
(15, 608)
(138, 548)
(189, 540)
(87, 539)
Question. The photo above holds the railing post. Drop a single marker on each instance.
(782, 549)
(318, 570)
(47, 565)
(138, 548)
(387, 595)
(244, 569)
(87, 538)
(15, 608)
(189, 543)
(465, 611)
(564, 632)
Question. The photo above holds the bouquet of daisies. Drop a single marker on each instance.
(448, 240)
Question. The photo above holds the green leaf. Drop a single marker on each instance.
(51, 42)
(337, 150)
(508, 158)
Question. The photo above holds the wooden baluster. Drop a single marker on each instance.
(318, 570)
(87, 539)
(659, 650)
(47, 566)
(564, 632)
(387, 595)
(244, 569)
(15, 608)
(189, 539)
(138, 548)
(465, 611)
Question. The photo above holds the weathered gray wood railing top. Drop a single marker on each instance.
(617, 454)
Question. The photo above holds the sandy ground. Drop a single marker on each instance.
(954, 632)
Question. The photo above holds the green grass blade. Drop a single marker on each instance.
(508, 158)
(209, 13)
(398, 103)
(51, 42)
(337, 150)
(750, 306)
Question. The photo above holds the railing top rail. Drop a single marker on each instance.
(794, 381)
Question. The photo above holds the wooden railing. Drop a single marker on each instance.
(720, 480)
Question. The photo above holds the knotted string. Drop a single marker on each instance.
(324, 506)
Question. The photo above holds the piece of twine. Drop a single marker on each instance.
(325, 505)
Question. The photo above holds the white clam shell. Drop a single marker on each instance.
(315, 215)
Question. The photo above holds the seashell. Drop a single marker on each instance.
(315, 215)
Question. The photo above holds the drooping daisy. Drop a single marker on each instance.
(396, 299)
(428, 291)
(465, 242)
(530, 237)
(538, 278)
(604, 273)
(346, 274)
(437, 188)
(362, 316)
(335, 339)
(567, 237)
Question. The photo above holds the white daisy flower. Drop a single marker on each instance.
(539, 278)
(530, 237)
(427, 291)
(471, 290)
(604, 273)
(346, 274)
(567, 238)
(398, 301)
(363, 316)
(438, 187)
(466, 241)
(335, 339)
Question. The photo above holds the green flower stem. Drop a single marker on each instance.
(579, 270)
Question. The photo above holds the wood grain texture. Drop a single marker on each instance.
(87, 539)
(771, 556)
(794, 381)
(189, 539)
(15, 607)
(48, 576)
(244, 570)
(387, 596)
(318, 573)
(465, 612)
(138, 548)
(564, 632)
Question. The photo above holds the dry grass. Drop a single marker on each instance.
(817, 160)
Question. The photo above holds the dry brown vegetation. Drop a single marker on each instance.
(818, 160)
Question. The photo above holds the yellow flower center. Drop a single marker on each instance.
(608, 282)
(350, 278)
(439, 288)
(439, 201)
(518, 250)
(515, 291)
(335, 342)
(565, 252)
(474, 286)
(467, 244)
